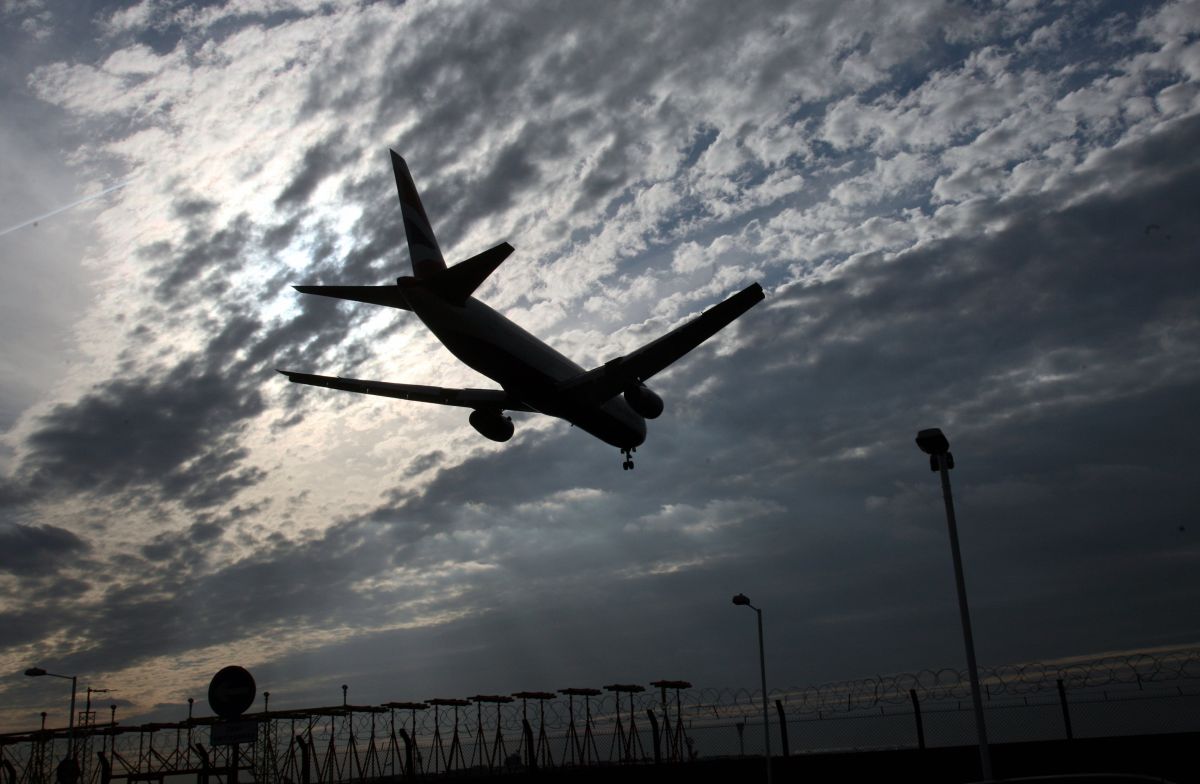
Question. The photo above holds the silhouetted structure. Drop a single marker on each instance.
(583, 750)
(934, 443)
(536, 753)
(496, 756)
(628, 741)
(451, 759)
(675, 742)
(1146, 693)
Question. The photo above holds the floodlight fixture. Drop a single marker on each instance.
(934, 443)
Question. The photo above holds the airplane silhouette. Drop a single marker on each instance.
(612, 401)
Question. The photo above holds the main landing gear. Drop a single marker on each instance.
(628, 453)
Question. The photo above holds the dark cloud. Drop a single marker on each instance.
(204, 262)
(37, 549)
(320, 161)
(425, 462)
(196, 207)
(508, 175)
(23, 625)
(177, 433)
(280, 236)
(297, 585)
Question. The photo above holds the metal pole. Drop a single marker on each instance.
(912, 695)
(762, 669)
(1066, 712)
(783, 738)
(71, 723)
(985, 760)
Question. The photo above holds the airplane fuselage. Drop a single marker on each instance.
(522, 364)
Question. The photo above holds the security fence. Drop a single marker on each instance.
(667, 721)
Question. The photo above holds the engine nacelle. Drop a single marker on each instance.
(643, 401)
(492, 424)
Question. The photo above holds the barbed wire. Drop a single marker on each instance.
(1137, 670)
(703, 705)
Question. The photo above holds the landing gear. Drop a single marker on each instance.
(628, 453)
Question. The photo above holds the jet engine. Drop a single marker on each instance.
(492, 424)
(643, 401)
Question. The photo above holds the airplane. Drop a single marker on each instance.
(611, 401)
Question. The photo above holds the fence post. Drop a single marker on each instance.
(202, 776)
(1062, 699)
(654, 736)
(105, 769)
(741, 730)
(410, 771)
(532, 752)
(782, 726)
(912, 695)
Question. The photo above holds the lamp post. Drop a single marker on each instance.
(37, 672)
(934, 443)
(742, 600)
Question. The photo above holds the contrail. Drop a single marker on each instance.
(76, 203)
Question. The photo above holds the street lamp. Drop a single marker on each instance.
(37, 672)
(934, 443)
(743, 600)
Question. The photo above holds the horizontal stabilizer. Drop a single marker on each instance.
(613, 377)
(390, 296)
(460, 281)
(465, 398)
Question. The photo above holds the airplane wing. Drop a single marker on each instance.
(612, 378)
(466, 398)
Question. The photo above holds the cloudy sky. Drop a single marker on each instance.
(979, 216)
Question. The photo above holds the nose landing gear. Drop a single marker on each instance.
(628, 454)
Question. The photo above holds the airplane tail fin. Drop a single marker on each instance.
(423, 247)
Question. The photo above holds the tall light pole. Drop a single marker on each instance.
(37, 672)
(934, 443)
(742, 600)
